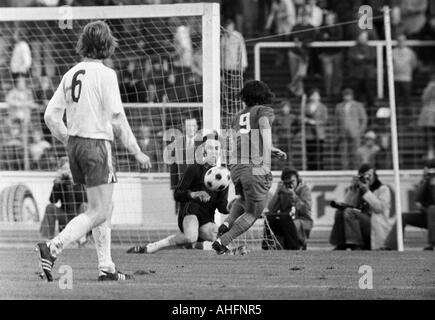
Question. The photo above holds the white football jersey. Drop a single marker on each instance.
(90, 93)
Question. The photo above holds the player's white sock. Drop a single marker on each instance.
(103, 240)
(74, 230)
(205, 245)
(166, 242)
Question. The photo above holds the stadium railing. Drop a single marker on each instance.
(378, 44)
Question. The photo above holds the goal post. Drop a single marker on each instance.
(393, 121)
(169, 67)
(209, 13)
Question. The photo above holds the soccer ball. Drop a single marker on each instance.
(217, 178)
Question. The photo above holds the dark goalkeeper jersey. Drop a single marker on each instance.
(193, 180)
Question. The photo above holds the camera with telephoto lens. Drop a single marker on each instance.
(362, 178)
(288, 184)
(64, 178)
(430, 172)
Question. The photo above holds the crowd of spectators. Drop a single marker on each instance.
(303, 22)
(172, 69)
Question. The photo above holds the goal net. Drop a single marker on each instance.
(169, 70)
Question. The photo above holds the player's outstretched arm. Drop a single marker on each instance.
(53, 115)
(121, 127)
(278, 153)
(266, 118)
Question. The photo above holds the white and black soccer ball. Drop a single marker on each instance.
(217, 178)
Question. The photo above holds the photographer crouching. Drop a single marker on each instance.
(289, 213)
(72, 198)
(362, 220)
(425, 216)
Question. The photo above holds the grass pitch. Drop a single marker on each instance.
(196, 274)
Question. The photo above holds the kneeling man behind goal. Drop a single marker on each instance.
(198, 205)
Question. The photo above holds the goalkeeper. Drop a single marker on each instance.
(198, 205)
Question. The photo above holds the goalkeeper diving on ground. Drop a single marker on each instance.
(198, 205)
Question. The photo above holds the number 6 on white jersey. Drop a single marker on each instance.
(244, 122)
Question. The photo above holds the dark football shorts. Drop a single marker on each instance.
(91, 161)
(252, 188)
(192, 208)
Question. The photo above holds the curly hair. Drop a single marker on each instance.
(256, 92)
(96, 41)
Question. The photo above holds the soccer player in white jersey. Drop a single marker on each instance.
(90, 95)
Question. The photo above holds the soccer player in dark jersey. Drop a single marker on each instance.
(198, 205)
(251, 171)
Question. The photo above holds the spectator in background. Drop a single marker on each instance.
(282, 16)
(40, 35)
(21, 59)
(313, 12)
(4, 68)
(362, 68)
(316, 117)
(285, 126)
(188, 145)
(12, 151)
(346, 11)
(20, 101)
(178, 88)
(43, 94)
(152, 147)
(233, 9)
(426, 118)
(299, 4)
(280, 22)
(314, 15)
(234, 61)
(196, 78)
(38, 146)
(197, 64)
(233, 50)
(378, 11)
(132, 86)
(183, 47)
(302, 35)
(350, 124)
(72, 198)
(364, 223)
(412, 16)
(404, 63)
(368, 152)
(289, 216)
(331, 58)
(156, 81)
(425, 216)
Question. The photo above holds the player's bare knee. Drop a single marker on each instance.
(209, 232)
(95, 216)
(191, 237)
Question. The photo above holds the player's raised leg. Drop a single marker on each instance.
(236, 208)
(255, 203)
